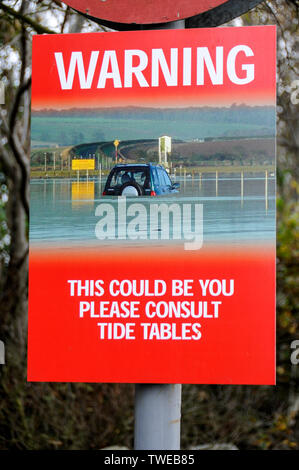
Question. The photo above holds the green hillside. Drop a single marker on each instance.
(73, 127)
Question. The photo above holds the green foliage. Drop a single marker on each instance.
(35, 416)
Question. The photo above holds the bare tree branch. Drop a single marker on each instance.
(40, 29)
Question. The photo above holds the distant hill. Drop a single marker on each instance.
(75, 126)
(221, 152)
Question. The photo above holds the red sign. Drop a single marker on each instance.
(143, 11)
(175, 284)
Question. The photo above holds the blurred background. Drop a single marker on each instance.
(93, 416)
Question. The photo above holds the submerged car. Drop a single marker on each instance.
(145, 179)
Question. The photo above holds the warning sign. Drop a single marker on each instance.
(160, 269)
(83, 164)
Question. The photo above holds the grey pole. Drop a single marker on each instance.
(158, 406)
(157, 416)
(180, 24)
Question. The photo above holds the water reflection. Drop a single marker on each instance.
(83, 193)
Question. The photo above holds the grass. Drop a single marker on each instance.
(38, 174)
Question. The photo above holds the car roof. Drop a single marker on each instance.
(143, 165)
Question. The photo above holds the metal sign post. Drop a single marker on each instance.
(157, 417)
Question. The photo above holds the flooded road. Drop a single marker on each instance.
(236, 209)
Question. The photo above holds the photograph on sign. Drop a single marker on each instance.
(152, 249)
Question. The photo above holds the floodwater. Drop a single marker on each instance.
(236, 210)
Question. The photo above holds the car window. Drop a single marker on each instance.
(142, 177)
(127, 175)
(155, 177)
(163, 178)
(166, 178)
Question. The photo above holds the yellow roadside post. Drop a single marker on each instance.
(116, 144)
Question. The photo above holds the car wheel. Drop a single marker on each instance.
(131, 189)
